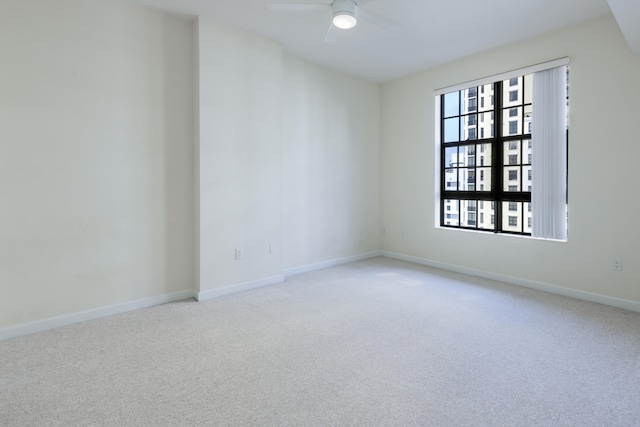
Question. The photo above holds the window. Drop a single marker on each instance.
(505, 162)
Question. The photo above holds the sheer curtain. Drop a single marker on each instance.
(549, 154)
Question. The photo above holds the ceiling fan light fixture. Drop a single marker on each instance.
(344, 14)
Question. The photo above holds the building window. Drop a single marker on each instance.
(473, 104)
(513, 221)
(513, 127)
(513, 206)
(513, 112)
(513, 81)
(513, 96)
(513, 175)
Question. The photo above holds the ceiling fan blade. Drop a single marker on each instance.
(297, 6)
(380, 21)
(332, 34)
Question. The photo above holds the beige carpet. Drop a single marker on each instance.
(373, 343)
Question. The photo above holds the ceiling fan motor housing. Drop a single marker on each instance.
(344, 13)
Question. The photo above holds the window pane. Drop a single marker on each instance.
(468, 153)
(511, 153)
(451, 179)
(512, 216)
(469, 100)
(512, 122)
(468, 214)
(527, 119)
(452, 209)
(451, 129)
(526, 175)
(486, 125)
(528, 88)
(486, 94)
(451, 156)
(512, 185)
(511, 94)
(469, 133)
(451, 104)
(485, 153)
(527, 216)
(467, 179)
(527, 151)
(483, 179)
(486, 216)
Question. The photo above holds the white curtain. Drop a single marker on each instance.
(549, 154)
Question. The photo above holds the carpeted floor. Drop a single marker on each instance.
(374, 343)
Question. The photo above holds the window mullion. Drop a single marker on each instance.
(497, 156)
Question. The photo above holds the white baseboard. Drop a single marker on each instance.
(96, 313)
(331, 263)
(239, 287)
(540, 286)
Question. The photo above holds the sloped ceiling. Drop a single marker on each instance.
(627, 13)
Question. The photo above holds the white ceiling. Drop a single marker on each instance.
(435, 31)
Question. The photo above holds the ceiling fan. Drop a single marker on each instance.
(345, 15)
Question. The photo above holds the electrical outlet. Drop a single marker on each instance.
(239, 253)
(616, 264)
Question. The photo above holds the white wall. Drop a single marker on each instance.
(95, 156)
(240, 156)
(603, 153)
(331, 164)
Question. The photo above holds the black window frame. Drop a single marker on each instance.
(499, 141)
